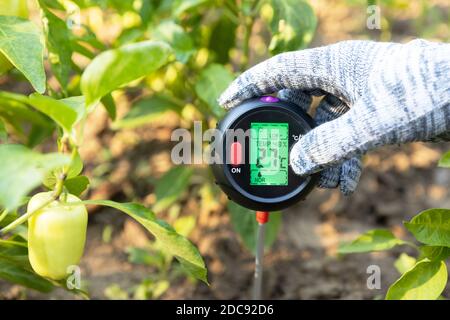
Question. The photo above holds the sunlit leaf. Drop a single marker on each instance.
(181, 6)
(425, 281)
(77, 104)
(171, 186)
(212, 82)
(431, 227)
(434, 252)
(174, 34)
(77, 185)
(374, 240)
(404, 263)
(184, 225)
(445, 160)
(22, 170)
(20, 42)
(292, 24)
(58, 41)
(177, 245)
(110, 106)
(145, 111)
(117, 67)
(57, 110)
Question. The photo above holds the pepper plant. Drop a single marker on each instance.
(178, 55)
(423, 277)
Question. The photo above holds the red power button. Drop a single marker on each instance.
(236, 154)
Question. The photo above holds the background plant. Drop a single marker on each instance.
(424, 276)
(192, 45)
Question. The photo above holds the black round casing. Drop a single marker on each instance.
(235, 179)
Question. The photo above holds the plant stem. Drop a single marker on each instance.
(3, 215)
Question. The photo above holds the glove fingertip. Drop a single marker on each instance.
(329, 178)
(350, 175)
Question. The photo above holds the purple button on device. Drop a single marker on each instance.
(269, 99)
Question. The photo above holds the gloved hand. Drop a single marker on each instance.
(394, 93)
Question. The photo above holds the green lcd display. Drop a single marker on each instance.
(269, 151)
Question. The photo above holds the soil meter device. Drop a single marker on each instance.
(253, 165)
(252, 162)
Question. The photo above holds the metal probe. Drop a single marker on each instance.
(261, 217)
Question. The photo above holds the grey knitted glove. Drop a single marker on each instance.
(394, 93)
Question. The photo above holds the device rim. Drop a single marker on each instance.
(228, 183)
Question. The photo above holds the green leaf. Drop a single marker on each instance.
(180, 40)
(374, 240)
(117, 67)
(52, 4)
(212, 82)
(177, 245)
(5, 65)
(3, 133)
(115, 292)
(445, 160)
(434, 252)
(133, 34)
(431, 227)
(11, 216)
(292, 24)
(16, 106)
(425, 281)
(144, 256)
(76, 167)
(146, 11)
(57, 110)
(404, 263)
(77, 185)
(20, 42)
(184, 225)
(77, 104)
(223, 38)
(110, 106)
(146, 111)
(15, 110)
(22, 170)
(181, 6)
(15, 248)
(37, 135)
(171, 186)
(244, 223)
(58, 39)
(12, 271)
